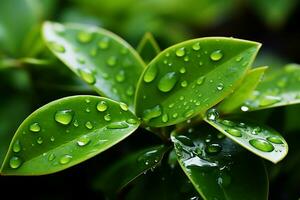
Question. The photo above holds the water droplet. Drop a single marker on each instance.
(39, 140)
(102, 106)
(64, 116)
(200, 80)
(275, 139)
(213, 149)
(93, 52)
(167, 82)
(238, 58)
(52, 139)
(65, 159)
(186, 59)
(244, 108)
(87, 76)
(175, 115)
(131, 121)
(107, 117)
(150, 74)
(181, 98)
(51, 156)
(57, 47)
(189, 113)
(180, 52)
(17, 146)
(165, 118)
(171, 105)
(120, 76)
(117, 125)
(224, 180)
(184, 84)
(124, 106)
(111, 61)
(269, 100)
(196, 46)
(200, 63)
(212, 114)
(220, 86)
(87, 110)
(227, 123)
(151, 113)
(15, 162)
(216, 55)
(262, 145)
(185, 140)
(130, 91)
(256, 130)
(234, 132)
(182, 70)
(84, 37)
(103, 43)
(35, 127)
(89, 125)
(83, 140)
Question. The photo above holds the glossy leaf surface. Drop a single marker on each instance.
(261, 140)
(278, 88)
(218, 167)
(237, 98)
(66, 132)
(148, 47)
(129, 168)
(100, 58)
(190, 77)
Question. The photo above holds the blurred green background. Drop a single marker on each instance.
(30, 76)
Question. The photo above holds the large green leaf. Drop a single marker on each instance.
(279, 87)
(246, 88)
(189, 78)
(129, 168)
(219, 168)
(99, 57)
(148, 47)
(66, 132)
(261, 140)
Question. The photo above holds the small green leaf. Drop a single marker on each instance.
(148, 47)
(278, 88)
(190, 77)
(100, 58)
(245, 89)
(219, 168)
(261, 140)
(66, 132)
(129, 168)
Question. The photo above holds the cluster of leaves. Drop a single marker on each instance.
(170, 93)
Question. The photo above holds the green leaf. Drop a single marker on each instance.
(219, 168)
(237, 98)
(261, 140)
(100, 58)
(189, 78)
(66, 132)
(148, 47)
(278, 88)
(129, 168)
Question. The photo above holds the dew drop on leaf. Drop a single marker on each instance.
(262, 145)
(84, 37)
(200, 80)
(212, 114)
(120, 76)
(87, 76)
(103, 43)
(102, 106)
(111, 61)
(185, 140)
(216, 55)
(151, 113)
(124, 106)
(196, 46)
(275, 139)
(89, 125)
(107, 117)
(15, 162)
(184, 84)
(234, 132)
(65, 159)
(213, 149)
(83, 141)
(35, 127)
(220, 86)
(269, 100)
(51, 156)
(117, 125)
(180, 52)
(39, 140)
(167, 82)
(57, 47)
(244, 108)
(131, 121)
(182, 70)
(64, 116)
(165, 118)
(16, 146)
(150, 74)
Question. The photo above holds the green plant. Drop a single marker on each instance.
(201, 80)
